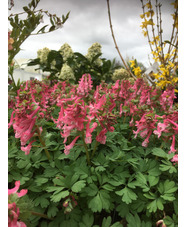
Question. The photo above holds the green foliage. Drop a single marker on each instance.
(124, 179)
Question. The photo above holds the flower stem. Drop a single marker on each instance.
(86, 149)
(41, 215)
(94, 149)
(43, 143)
(125, 118)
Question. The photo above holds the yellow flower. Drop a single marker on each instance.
(142, 16)
(144, 33)
(137, 71)
(146, 23)
(175, 4)
(132, 63)
(149, 6)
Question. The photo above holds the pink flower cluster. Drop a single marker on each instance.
(13, 210)
(84, 111)
(32, 103)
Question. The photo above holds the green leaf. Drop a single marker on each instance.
(153, 180)
(52, 211)
(91, 190)
(22, 163)
(168, 166)
(159, 152)
(52, 28)
(108, 187)
(54, 189)
(105, 199)
(106, 222)
(78, 186)
(168, 197)
(41, 180)
(127, 195)
(87, 221)
(169, 222)
(117, 224)
(123, 210)
(133, 221)
(57, 197)
(95, 204)
(42, 201)
(152, 206)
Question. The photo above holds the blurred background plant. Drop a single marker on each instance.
(25, 24)
(65, 64)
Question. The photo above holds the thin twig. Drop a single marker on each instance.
(172, 35)
(161, 32)
(127, 68)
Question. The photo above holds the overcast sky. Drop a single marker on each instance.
(88, 23)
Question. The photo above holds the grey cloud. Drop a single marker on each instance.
(88, 23)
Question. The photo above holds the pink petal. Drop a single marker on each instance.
(15, 189)
(22, 192)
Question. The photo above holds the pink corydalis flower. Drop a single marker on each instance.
(27, 148)
(172, 148)
(89, 131)
(70, 146)
(175, 158)
(85, 85)
(101, 137)
(160, 128)
(16, 188)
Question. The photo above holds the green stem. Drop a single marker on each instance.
(94, 149)
(86, 149)
(41, 215)
(43, 143)
(129, 138)
(124, 118)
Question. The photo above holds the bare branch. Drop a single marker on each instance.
(127, 68)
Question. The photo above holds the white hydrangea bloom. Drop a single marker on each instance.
(42, 54)
(67, 73)
(66, 51)
(120, 74)
(94, 50)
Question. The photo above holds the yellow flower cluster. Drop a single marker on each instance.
(94, 50)
(42, 54)
(136, 69)
(166, 57)
(146, 23)
(66, 51)
(120, 74)
(66, 73)
(166, 74)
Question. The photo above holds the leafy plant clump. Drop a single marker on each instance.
(104, 156)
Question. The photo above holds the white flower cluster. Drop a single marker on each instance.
(66, 73)
(93, 51)
(42, 54)
(120, 74)
(66, 51)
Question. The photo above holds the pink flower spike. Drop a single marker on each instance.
(15, 189)
(21, 224)
(22, 192)
(175, 158)
(33, 113)
(11, 119)
(27, 148)
(172, 148)
(70, 146)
